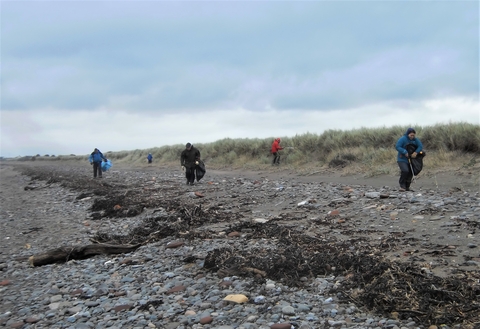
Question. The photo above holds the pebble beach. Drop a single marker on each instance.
(164, 284)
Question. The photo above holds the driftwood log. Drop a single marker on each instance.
(64, 254)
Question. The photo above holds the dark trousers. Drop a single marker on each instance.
(97, 167)
(405, 175)
(276, 158)
(190, 174)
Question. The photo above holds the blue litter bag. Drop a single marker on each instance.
(106, 165)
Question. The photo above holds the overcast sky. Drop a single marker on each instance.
(125, 75)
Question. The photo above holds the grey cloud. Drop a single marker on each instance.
(167, 56)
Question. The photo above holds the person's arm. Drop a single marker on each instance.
(182, 159)
(419, 145)
(400, 146)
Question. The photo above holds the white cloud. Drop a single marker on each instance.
(46, 131)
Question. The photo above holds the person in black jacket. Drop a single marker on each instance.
(188, 160)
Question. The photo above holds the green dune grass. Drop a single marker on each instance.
(370, 151)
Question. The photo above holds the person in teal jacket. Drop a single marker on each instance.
(403, 157)
(95, 159)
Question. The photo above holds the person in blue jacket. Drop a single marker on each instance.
(403, 157)
(149, 157)
(96, 160)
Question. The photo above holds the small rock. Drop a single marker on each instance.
(126, 261)
(373, 195)
(288, 310)
(284, 325)
(176, 289)
(17, 324)
(239, 298)
(124, 307)
(175, 244)
(206, 320)
(31, 320)
(76, 292)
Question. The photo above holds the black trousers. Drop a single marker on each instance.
(97, 167)
(276, 158)
(190, 174)
(406, 175)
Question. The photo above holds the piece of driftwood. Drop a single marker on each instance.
(26, 188)
(64, 254)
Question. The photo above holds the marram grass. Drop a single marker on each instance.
(370, 151)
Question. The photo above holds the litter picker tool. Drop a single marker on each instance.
(411, 168)
(416, 164)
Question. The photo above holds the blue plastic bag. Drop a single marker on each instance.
(106, 165)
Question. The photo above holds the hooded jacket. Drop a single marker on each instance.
(402, 144)
(276, 146)
(188, 157)
(96, 157)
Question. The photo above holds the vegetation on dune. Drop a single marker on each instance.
(367, 150)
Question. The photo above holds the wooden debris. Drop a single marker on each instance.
(65, 254)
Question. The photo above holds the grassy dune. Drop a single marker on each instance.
(370, 151)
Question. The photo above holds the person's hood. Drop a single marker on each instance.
(410, 130)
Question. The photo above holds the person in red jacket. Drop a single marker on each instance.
(275, 148)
